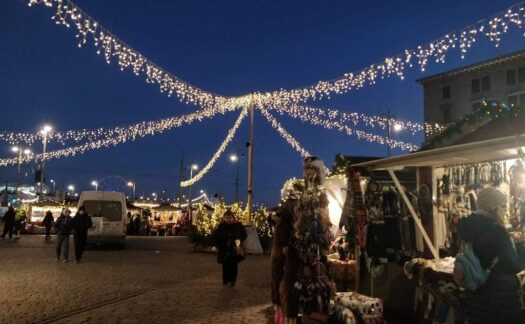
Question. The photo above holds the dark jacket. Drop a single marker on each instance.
(81, 223)
(48, 220)
(498, 300)
(224, 238)
(9, 217)
(64, 225)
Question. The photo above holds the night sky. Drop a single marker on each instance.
(228, 47)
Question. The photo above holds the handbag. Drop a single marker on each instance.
(240, 254)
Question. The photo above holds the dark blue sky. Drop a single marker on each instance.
(228, 47)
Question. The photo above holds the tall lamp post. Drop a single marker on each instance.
(54, 185)
(19, 150)
(71, 188)
(95, 184)
(132, 185)
(235, 159)
(44, 131)
(193, 167)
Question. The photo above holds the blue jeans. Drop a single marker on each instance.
(63, 240)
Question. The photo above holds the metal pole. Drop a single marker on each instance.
(18, 172)
(249, 201)
(189, 202)
(388, 134)
(237, 178)
(43, 165)
(181, 174)
(133, 189)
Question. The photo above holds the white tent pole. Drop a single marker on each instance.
(414, 215)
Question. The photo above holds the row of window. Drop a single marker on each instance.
(483, 84)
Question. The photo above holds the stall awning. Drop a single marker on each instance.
(490, 150)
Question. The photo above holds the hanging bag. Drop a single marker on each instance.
(468, 272)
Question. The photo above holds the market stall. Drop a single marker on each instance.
(165, 219)
(37, 211)
(446, 182)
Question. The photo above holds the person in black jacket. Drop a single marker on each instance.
(48, 223)
(63, 227)
(81, 223)
(498, 300)
(9, 222)
(228, 238)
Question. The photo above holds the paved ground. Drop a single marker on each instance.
(153, 280)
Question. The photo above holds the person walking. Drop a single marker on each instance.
(498, 299)
(9, 221)
(48, 224)
(63, 227)
(228, 238)
(81, 223)
(20, 221)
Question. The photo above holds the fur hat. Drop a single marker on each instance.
(489, 198)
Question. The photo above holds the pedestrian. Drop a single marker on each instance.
(498, 299)
(63, 228)
(48, 223)
(228, 238)
(81, 223)
(9, 221)
(20, 221)
(136, 225)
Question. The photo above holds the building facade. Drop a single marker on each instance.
(453, 94)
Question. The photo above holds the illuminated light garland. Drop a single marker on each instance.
(87, 28)
(492, 28)
(334, 124)
(110, 46)
(299, 111)
(136, 131)
(284, 134)
(218, 153)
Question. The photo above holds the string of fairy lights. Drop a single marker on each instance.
(284, 134)
(218, 153)
(119, 137)
(284, 101)
(300, 113)
(139, 129)
(88, 29)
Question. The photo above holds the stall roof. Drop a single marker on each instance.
(489, 150)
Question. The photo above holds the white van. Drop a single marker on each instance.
(108, 213)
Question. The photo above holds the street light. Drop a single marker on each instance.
(44, 131)
(95, 184)
(389, 127)
(235, 159)
(71, 188)
(193, 167)
(132, 184)
(19, 150)
(154, 196)
(54, 184)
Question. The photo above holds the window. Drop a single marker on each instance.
(111, 210)
(485, 83)
(447, 115)
(511, 77)
(516, 99)
(446, 92)
(521, 75)
(476, 106)
(475, 86)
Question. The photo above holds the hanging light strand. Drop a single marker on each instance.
(493, 28)
(137, 129)
(111, 47)
(131, 134)
(218, 153)
(298, 113)
(284, 134)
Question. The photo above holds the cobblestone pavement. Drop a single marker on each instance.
(154, 280)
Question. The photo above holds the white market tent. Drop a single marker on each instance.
(504, 148)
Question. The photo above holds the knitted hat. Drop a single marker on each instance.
(489, 198)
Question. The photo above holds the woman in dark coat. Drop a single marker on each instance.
(81, 223)
(9, 222)
(48, 223)
(282, 243)
(228, 238)
(498, 300)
